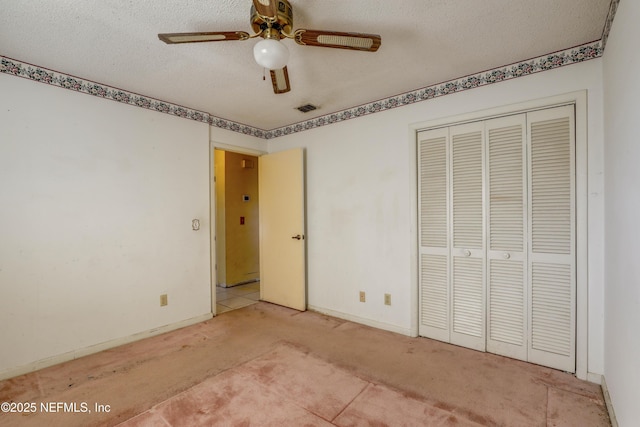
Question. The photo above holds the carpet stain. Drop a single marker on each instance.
(458, 386)
(444, 405)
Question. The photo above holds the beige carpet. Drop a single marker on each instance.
(288, 386)
(268, 364)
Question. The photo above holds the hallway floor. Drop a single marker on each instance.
(235, 297)
(266, 365)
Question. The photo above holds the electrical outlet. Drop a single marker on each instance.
(164, 300)
(387, 299)
(362, 296)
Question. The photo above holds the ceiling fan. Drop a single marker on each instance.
(273, 20)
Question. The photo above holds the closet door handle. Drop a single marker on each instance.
(467, 252)
(506, 255)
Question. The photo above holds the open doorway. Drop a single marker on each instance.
(237, 230)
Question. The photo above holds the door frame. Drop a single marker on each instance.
(214, 145)
(579, 99)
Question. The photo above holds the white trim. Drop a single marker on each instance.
(594, 378)
(236, 148)
(414, 250)
(507, 110)
(76, 354)
(609, 403)
(212, 229)
(368, 322)
(579, 99)
(582, 236)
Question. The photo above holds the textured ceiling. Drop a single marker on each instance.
(424, 42)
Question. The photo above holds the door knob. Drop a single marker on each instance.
(506, 255)
(467, 252)
(297, 237)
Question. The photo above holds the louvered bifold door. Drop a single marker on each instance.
(433, 215)
(552, 254)
(506, 236)
(467, 234)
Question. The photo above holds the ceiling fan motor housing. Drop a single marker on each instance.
(273, 20)
(284, 19)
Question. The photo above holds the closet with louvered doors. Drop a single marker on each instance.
(497, 236)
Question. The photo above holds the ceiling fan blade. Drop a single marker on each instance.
(267, 8)
(280, 80)
(174, 38)
(353, 41)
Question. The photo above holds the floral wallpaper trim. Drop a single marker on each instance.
(613, 8)
(520, 69)
(54, 78)
(542, 63)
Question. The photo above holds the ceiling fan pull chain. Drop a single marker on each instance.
(272, 20)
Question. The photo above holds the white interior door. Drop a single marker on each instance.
(552, 240)
(468, 236)
(433, 194)
(507, 308)
(282, 229)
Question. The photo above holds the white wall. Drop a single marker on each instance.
(97, 200)
(622, 226)
(360, 218)
(96, 203)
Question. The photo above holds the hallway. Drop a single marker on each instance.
(235, 297)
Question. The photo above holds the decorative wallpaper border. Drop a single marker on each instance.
(542, 63)
(547, 62)
(65, 81)
(613, 8)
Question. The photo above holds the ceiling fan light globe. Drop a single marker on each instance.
(271, 54)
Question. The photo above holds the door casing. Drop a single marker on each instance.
(213, 145)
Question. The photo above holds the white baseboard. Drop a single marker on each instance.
(373, 323)
(594, 378)
(607, 401)
(75, 354)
